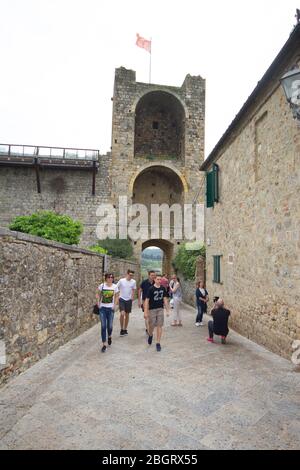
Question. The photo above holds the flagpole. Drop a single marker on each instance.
(150, 60)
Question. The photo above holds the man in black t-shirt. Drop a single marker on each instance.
(219, 325)
(156, 300)
(143, 290)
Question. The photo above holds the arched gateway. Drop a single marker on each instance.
(157, 148)
(156, 151)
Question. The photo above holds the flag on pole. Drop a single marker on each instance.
(143, 43)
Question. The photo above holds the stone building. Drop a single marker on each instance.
(157, 149)
(252, 215)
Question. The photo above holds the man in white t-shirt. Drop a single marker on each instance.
(126, 287)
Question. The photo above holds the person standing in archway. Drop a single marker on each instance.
(177, 301)
(156, 300)
(143, 291)
(127, 287)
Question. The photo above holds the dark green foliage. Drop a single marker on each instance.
(117, 247)
(50, 225)
(185, 260)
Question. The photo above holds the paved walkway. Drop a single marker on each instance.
(191, 395)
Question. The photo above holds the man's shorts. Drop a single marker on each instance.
(156, 317)
(125, 305)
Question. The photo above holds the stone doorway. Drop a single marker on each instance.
(167, 248)
(159, 184)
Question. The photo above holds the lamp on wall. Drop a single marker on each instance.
(291, 85)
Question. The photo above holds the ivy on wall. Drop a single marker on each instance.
(186, 258)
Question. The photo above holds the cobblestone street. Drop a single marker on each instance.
(191, 395)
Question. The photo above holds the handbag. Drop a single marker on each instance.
(96, 310)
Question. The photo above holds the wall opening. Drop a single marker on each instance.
(159, 126)
(166, 249)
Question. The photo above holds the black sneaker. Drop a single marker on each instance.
(150, 340)
(103, 349)
(158, 347)
(109, 341)
(125, 332)
(122, 333)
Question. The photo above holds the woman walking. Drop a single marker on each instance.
(107, 300)
(201, 302)
(176, 290)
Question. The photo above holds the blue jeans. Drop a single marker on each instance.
(199, 313)
(106, 318)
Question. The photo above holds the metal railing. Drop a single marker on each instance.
(11, 150)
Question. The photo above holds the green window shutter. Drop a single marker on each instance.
(217, 269)
(209, 189)
(216, 182)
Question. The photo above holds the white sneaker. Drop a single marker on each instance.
(201, 324)
(197, 324)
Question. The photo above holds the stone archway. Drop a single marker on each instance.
(159, 126)
(167, 248)
(162, 165)
(158, 184)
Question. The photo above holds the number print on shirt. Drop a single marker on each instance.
(158, 295)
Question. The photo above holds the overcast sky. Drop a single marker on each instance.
(58, 59)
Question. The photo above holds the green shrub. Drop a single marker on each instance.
(98, 249)
(117, 247)
(50, 225)
(185, 259)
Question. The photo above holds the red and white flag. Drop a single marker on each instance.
(143, 43)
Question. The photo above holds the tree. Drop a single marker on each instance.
(185, 260)
(98, 249)
(50, 225)
(118, 248)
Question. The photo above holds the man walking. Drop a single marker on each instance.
(126, 287)
(219, 324)
(156, 300)
(143, 290)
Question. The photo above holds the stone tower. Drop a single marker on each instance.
(157, 146)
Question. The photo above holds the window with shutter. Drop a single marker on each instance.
(216, 182)
(212, 186)
(209, 190)
(217, 269)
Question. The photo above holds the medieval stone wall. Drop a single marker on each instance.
(47, 291)
(190, 97)
(179, 112)
(255, 227)
(65, 191)
(189, 286)
(120, 266)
